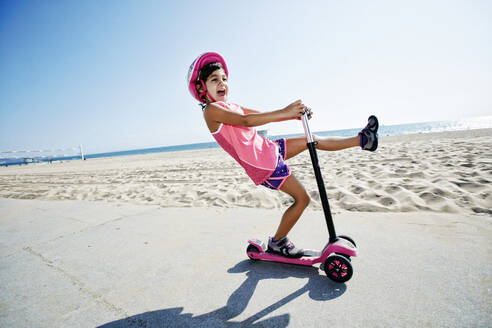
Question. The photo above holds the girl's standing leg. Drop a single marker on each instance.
(295, 189)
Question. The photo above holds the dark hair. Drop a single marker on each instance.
(208, 69)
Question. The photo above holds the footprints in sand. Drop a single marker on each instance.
(441, 176)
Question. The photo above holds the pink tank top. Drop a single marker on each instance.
(257, 155)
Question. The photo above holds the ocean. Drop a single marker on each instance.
(26, 157)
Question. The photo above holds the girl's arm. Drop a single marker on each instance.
(214, 113)
(250, 111)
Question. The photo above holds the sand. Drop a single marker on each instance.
(447, 172)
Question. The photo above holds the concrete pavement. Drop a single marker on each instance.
(88, 264)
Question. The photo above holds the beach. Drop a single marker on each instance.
(440, 172)
(159, 240)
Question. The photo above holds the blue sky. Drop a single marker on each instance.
(110, 75)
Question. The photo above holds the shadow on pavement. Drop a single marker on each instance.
(318, 287)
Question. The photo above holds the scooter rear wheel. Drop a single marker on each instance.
(338, 268)
(252, 249)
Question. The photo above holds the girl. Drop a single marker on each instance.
(263, 160)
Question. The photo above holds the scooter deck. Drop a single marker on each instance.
(267, 256)
(311, 256)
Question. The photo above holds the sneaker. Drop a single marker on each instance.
(369, 134)
(284, 247)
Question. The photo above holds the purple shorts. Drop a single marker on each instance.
(282, 171)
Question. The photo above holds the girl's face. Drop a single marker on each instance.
(217, 85)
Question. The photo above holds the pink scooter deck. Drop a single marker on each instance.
(341, 246)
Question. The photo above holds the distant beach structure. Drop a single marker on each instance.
(19, 157)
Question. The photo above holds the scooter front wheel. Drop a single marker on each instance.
(348, 239)
(338, 268)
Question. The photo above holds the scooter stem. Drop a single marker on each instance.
(311, 144)
(307, 130)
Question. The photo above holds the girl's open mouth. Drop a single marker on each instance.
(221, 93)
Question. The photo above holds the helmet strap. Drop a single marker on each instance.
(205, 92)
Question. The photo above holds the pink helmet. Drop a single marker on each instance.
(196, 66)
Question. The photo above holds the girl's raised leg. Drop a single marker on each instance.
(297, 145)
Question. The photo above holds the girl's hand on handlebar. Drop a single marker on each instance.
(296, 110)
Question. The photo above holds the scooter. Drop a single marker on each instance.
(335, 258)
